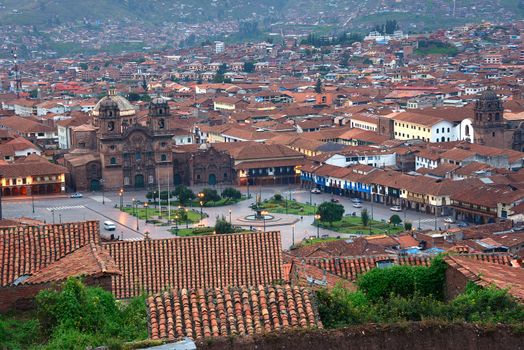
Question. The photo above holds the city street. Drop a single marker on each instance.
(95, 207)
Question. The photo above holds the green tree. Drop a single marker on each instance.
(330, 212)
(184, 194)
(231, 193)
(83, 65)
(395, 219)
(133, 96)
(277, 197)
(210, 195)
(408, 226)
(249, 67)
(364, 216)
(318, 86)
(223, 226)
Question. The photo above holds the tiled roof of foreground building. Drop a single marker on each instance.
(27, 249)
(351, 267)
(214, 261)
(230, 311)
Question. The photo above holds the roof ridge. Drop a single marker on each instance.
(98, 258)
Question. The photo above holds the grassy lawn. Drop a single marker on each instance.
(192, 216)
(193, 231)
(319, 240)
(196, 203)
(293, 207)
(197, 231)
(353, 224)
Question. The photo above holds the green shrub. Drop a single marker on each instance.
(404, 281)
(76, 316)
(486, 305)
(341, 307)
(231, 193)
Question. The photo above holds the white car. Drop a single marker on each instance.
(395, 208)
(76, 195)
(356, 200)
(357, 205)
(449, 220)
(315, 191)
(109, 226)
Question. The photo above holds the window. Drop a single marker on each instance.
(163, 158)
(493, 134)
(138, 156)
(41, 134)
(112, 161)
(112, 147)
(189, 140)
(198, 177)
(162, 144)
(448, 129)
(225, 175)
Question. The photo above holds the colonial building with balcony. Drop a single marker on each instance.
(32, 175)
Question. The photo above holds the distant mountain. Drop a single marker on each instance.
(414, 14)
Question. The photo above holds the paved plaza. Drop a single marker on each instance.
(95, 207)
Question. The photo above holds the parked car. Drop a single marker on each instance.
(449, 220)
(462, 224)
(76, 195)
(356, 200)
(109, 225)
(357, 205)
(395, 208)
(334, 200)
(315, 191)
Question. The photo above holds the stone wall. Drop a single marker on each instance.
(427, 336)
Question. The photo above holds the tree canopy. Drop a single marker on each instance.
(330, 212)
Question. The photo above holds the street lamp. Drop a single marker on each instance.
(33, 200)
(317, 218)
(146, 205)
(53, 213)
(176, 224)
(102, 186)
(293, 235)
(229, 216)
(133, 206)
(201, 202)
(121, 194)
(264, 213)
(187, 218)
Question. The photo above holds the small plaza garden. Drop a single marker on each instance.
(353, 224)
(155, 216)
(279, 205)
(184, 196)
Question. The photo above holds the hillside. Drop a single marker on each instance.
(413, 14)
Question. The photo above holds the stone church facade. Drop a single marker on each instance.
(126, 154)
(490, 127)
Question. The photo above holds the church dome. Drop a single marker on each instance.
(124, 106)
(159, 100)
(488, 95)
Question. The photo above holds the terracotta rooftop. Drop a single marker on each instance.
(213, 261)
(350, 267)
(90, 260)
(230, 311)
(485, 273)
(27, 249)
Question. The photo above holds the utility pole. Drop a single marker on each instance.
(18, 76)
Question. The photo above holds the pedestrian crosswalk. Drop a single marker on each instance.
(66, 207)
(101, 199)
